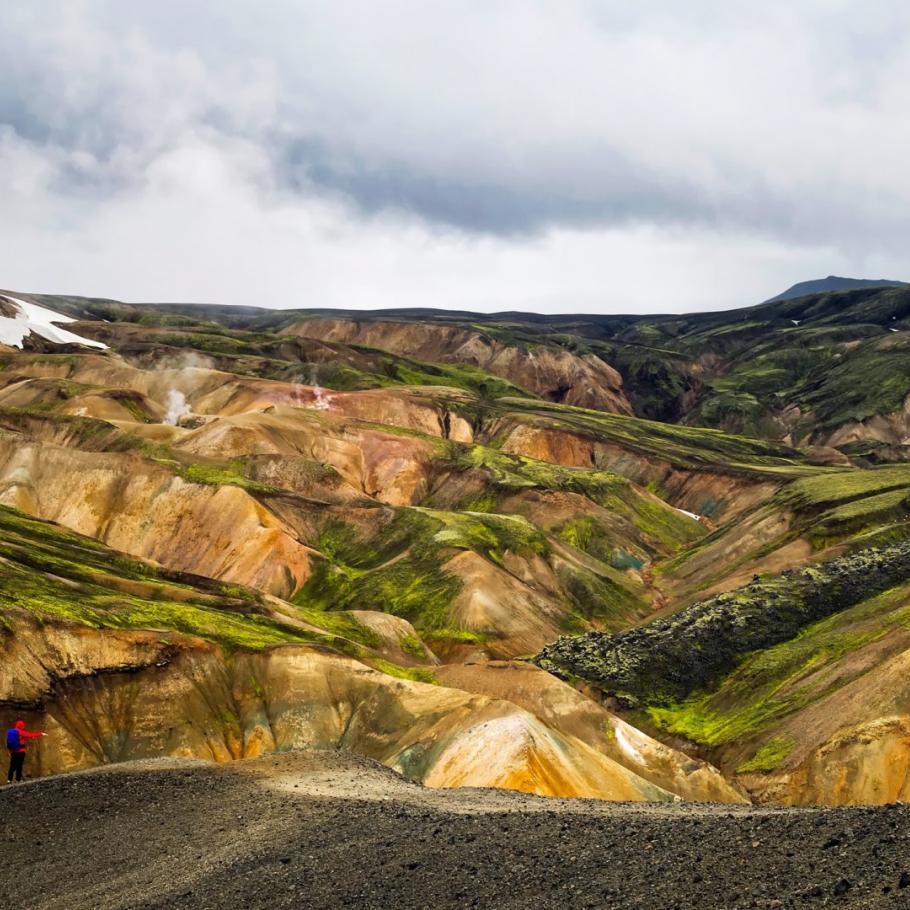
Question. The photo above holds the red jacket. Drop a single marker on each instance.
(23, 736)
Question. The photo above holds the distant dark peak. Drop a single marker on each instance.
(834, 283)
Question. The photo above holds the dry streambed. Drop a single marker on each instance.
(314, 829)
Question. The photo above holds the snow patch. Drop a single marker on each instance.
(43, 322)
(690, 514)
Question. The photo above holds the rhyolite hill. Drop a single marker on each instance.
(632, 557)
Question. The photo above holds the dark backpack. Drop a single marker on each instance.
(13, 740)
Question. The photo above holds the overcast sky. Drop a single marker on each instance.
(560, 156)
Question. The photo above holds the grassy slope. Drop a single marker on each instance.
(54, 574)
(847, 509)
(680, 446)
(771, 684)
(666, 661)
(400, 571)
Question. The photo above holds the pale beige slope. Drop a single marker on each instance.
(112, 696)
(145, 510)
(399, 639)
(391, 468)
(517, 609)
(565, 709)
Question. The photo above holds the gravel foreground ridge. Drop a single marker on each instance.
(325, 830)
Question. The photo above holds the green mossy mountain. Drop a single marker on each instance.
(703, 520)
(666, 660)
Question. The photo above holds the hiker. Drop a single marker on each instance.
(15, 745)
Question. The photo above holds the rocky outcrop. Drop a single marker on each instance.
(670, 658)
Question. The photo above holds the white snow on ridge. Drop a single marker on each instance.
(41, 321)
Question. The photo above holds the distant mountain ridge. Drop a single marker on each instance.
(834, 283)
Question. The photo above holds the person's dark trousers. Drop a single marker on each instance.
(16, 761)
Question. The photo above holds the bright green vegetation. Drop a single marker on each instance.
(492, 535)
(770, 756)
(450, 634)
(403, 371)
(343, 625)
(238, 472)
(57, 575)
(827, 492)
(377, 369)
(81, 432)
(770, 685)
(516, 472)
(412, 645)
(662, 664)
(661, 527)
(233, 474)
(52, 574)
(399, 571)
(606, 599)
(847, 504)
(414, 674)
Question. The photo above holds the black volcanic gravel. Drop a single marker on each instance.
(259, 835)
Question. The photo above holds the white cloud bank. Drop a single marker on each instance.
(577, 156)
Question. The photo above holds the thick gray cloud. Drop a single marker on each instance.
(571, 155)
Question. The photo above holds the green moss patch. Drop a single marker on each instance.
(769, 757)
(771, 684)
(413, 674)
(663, 663)
(55, 575)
